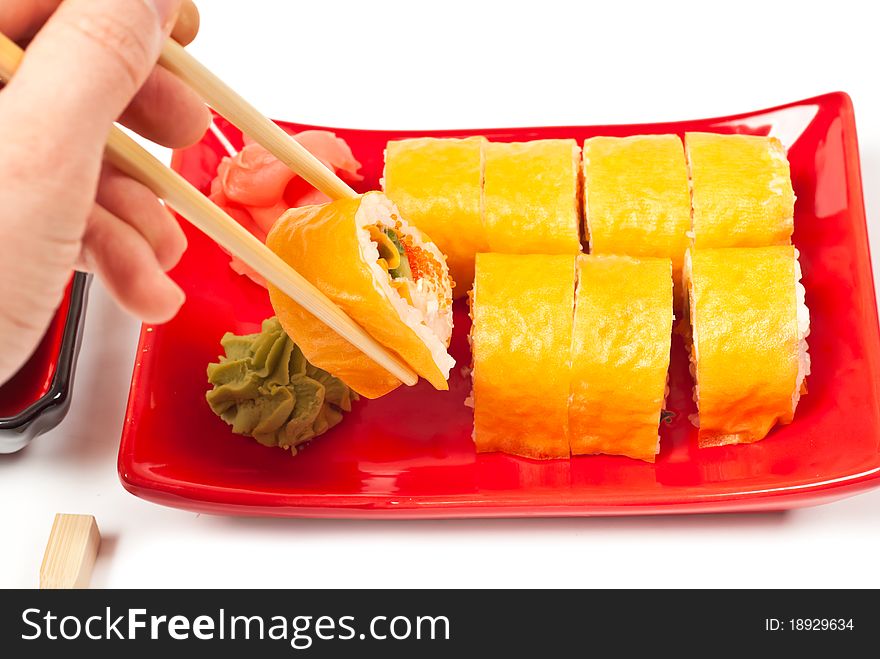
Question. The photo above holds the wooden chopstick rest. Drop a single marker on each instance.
(71, 552)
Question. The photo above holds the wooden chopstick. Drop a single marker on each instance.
(134, 160)
(251, 122)
(71, 552)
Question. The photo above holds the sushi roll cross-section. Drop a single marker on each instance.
(381, 271)
(749, 324)
(741, 190)
(530, 197)
(620, 355)
(522, 309)
(438, 184)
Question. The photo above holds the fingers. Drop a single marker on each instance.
(137, 206)
(187, 26)
(168, 112)
(86, 64)
(124, 260)
(165, 110)
(34, 276)
(20, 20)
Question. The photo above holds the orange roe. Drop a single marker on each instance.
(421, 263)
(419, 260)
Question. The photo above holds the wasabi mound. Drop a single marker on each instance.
(264, 388)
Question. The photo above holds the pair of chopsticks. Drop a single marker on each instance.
(129, 157)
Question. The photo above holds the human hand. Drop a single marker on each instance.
(88, 63)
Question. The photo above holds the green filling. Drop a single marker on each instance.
(402, 271)
(264, 388)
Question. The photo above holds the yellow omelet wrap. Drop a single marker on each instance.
(330, 245)
(636, 197)
(522, 311)
(437, 184)
(530, 191)
(749, 352)
(741, 190)
(620, 355)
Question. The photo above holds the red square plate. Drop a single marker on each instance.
(410, 453)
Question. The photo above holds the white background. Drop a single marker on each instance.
(453, 65)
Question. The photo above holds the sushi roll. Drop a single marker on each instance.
(382, 273)
(437, 185)
(620, 355)
(530, 197)
(749, 325)
(636, 197)
(741, 190)
(522, 309)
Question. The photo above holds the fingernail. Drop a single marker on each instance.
(181, 303)
(166, 10)
(178, 293)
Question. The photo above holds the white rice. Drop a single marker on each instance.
(426, 316)
(781, 183)
(803, 331)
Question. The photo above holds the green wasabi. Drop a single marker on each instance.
(264, 388)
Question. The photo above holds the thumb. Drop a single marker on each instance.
(85, 65)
